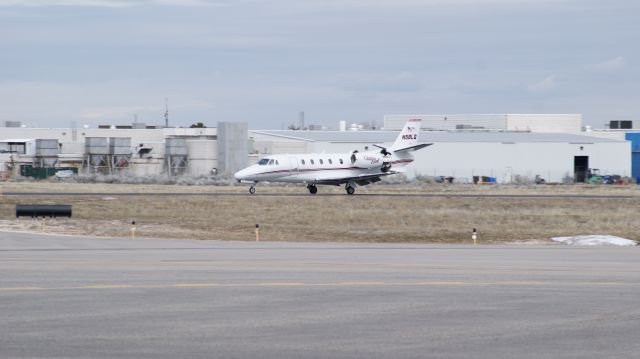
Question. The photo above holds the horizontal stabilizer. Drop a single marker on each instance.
(413, 148)
(384, 149)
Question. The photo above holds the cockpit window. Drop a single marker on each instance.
(263, 161)
(270, 162)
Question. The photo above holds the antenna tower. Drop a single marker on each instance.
(166, 112)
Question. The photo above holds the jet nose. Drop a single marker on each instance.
(239, 176)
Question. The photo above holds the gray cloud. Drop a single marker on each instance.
(546, 84)
(108, 3)
(610, 65)
(263, 61)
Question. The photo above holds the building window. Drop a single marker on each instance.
(17, 147)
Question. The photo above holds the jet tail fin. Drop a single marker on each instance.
(408, 137)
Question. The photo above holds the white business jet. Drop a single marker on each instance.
(350, 169)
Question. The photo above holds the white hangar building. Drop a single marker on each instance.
(462, 155)
(564, 123)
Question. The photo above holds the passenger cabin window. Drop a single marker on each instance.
(263, 161)
(302, 161)
(321, 161)
(330, 162)
(311, 161)
(270, 162)
(277, 163)
(341, 161)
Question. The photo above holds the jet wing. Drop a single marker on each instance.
(360, 180)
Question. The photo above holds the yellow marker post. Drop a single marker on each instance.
(257, 233)
(133, 229)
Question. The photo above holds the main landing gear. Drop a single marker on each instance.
(350, 190)
(252, 189)
(312, 189)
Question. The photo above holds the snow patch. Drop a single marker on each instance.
(595, 240)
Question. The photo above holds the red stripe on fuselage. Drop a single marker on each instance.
(325, 169)
(310, 170)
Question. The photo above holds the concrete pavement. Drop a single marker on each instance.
(107, 297)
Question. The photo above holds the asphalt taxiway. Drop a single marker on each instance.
(108, 297)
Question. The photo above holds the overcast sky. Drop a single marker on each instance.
(104, 61)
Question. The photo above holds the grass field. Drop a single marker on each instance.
(332, 218)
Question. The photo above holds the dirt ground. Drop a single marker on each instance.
(169, 211)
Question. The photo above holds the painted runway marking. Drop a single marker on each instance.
(21, 289)
(303, 284)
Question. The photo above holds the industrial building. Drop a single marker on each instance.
(136, 151)
(507, 148)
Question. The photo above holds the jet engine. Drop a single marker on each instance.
(370, 160)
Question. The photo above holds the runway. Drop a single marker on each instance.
(304, 193)
(108, 297)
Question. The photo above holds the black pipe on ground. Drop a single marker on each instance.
(43, 210)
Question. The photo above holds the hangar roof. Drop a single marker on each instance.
(17, 140)
(435, 136)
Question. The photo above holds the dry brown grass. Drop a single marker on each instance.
(333, 218)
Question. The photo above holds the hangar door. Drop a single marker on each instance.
(580, 168)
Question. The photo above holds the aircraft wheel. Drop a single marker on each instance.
(350, 190)
(312, 189)
(252, 190)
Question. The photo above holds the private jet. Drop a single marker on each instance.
(351, 169)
